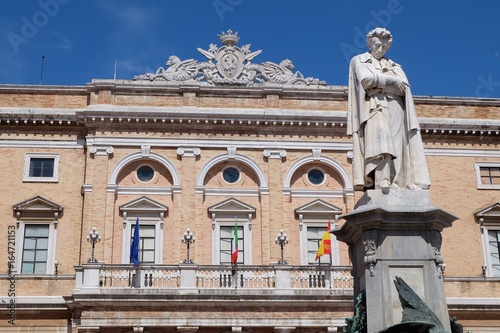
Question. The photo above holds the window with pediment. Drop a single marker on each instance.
(225, 216)
(489, 220)
(150, 215)
(36, 238)
(313, 222)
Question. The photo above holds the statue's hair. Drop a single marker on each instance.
(379, 32)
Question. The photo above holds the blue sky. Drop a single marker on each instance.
(447, 48)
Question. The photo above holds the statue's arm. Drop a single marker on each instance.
(370, 79)
(367, 76)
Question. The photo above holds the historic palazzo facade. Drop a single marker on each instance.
(210, 145)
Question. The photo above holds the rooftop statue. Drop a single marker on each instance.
(229, 65)
(387, 147)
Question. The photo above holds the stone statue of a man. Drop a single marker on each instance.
(387, 146)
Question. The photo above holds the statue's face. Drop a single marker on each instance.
(379, 46)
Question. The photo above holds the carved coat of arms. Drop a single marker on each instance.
(229, 65)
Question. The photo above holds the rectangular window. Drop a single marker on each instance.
(314, 236)
(35, 247)
(226, 239)
(41, 168)
(494, 245)
(146, 243)
(490, 175)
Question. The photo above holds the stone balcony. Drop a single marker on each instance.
(103, 278)
(107, 296)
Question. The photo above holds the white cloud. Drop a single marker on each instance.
(11, 67)
(129, 16)
(131, 67)
(65, 43)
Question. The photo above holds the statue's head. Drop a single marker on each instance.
(379, 41)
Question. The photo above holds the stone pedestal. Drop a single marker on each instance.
(396, 234)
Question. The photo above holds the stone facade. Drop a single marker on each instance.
(189, 133)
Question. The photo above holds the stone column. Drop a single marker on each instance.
(396, 235)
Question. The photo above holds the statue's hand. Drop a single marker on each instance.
(397, 83)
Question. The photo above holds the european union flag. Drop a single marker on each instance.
(134, 247)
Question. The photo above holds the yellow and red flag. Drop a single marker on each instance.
(325, 247)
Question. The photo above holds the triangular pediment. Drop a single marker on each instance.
(318, 207)
(143, 204)
(37, 204)
(491, 211)
(232, 205)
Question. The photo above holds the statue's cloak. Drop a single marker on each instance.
(358, 113)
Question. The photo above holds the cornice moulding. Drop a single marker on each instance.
(44, 89)
(100, 114)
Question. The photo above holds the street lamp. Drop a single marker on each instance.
(93, 238)
(188, 239)
(282, 240)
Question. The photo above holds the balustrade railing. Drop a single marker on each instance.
(213, 277)
(321, 277)
(144, 276)
(239, 277)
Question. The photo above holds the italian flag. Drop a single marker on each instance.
(234, 245)
(325, 247)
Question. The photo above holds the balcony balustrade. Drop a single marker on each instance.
(97, 278)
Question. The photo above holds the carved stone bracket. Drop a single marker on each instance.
(100, 151)
(275, 153)
(436, 240)
(188, 151)
(145, 150)
(370, 244)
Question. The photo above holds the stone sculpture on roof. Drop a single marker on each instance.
(229, 65)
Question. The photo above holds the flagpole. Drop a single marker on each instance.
(234, 254)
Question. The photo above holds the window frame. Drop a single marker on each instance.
(27, 165)
(488, 266)
(320, 222)
(145, 181)
(480, 185)
(323, 228)
(325, 176)
(240, 175)
(488, 219)
(488, 256)
(229, 221)
(241, 241)
(144, 219)
(37, 249)
(51, 246)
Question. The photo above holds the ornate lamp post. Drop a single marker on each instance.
(93, 238)
(188, 239)
(282, 240)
